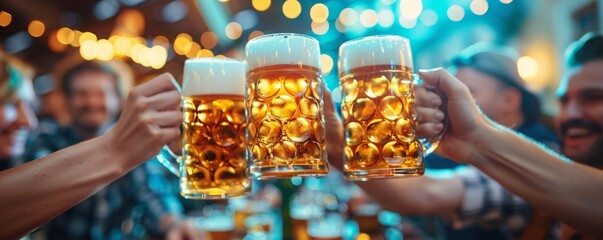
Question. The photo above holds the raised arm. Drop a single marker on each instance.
(38, 191)
(570, 192)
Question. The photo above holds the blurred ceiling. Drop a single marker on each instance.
(147, 21)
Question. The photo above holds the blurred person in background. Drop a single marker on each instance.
(16, 116)
(37, 191)
(474, 205)
(94, 101)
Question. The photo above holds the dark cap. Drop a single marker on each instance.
(500, 62)
(588, 48)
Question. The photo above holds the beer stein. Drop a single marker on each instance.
(377, 87)
(285, 131)
(213, 163)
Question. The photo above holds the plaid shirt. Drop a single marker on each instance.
(490, 206)
(129, 208)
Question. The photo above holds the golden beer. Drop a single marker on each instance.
(376, 82)
(284, 100)
(214, 146)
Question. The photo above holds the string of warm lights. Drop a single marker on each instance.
(155, 55)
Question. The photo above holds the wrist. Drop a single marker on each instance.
(115, 153)
(486, 136)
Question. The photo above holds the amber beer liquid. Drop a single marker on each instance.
(379, 120)
(285, 129)
(214, 145)
(378, 102)
(213, 164)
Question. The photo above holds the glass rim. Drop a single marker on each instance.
(280, 35)
(381, 36)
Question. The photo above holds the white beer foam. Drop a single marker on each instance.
(375, 50)
(211, 76)
(282, 48)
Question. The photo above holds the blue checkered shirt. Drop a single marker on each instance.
(129, 208)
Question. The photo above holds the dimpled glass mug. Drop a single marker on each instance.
(377, 88)
(213, 164)
(285, 128)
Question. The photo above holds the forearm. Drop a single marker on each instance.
(38, 191)
(570, 192)
(416, 195)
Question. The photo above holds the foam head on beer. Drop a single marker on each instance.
(213, 76)
(283, 49)
(385, 50)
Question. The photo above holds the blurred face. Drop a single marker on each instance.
(16, 119)
(580, 120)
(486, 91)
(94, 100)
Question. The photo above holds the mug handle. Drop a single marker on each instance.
(430, 143)
(169, 160)
(166, 157)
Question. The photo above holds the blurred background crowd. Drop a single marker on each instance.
(82, 57)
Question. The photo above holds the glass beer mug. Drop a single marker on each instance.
(286, 135)
(377, 88)
(213, 163)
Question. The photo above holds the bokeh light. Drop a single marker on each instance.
(89, 49)
(192, 49)
(368, 18)
(233, 30)
(386, 18)
(209, 40)
(506, 1)
(122, 46)
(36, 28)
(327, 64)
(86, 36)
(65, 35)
(157, 56)
(205, 53)
(429, 17)
(407, 23)
(76, 38)
(320, 28)
(105, 50)
(455, 13)
(319, 13)
(348, 17)
(528, 68)
(260, 5)
(255, 34)
(5, 18)
(479, 7)
(180, 42)
(161, 40)
(411, 9)
(291, 9)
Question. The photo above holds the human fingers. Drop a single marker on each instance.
(164, 119)
(163, 82)
(429, 115)
(425, 130)
(448, 84)
(427, 98)
(168, 100)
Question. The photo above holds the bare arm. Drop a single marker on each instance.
(38, 191)
(570, 192)
(416, 195)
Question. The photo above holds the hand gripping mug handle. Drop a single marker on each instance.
(430, 143)
(166, 157)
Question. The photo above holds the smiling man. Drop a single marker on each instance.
(580, 119)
